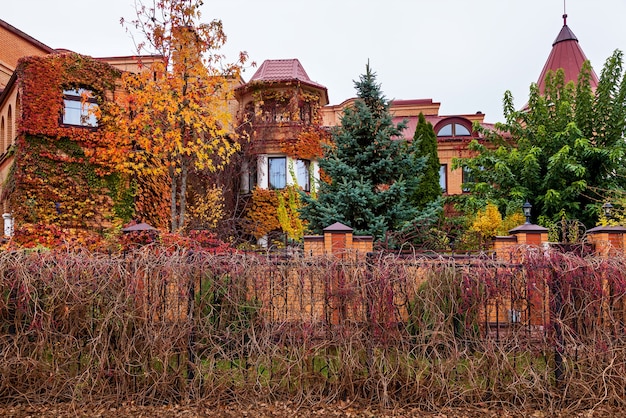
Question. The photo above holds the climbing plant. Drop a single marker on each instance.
(60, 181)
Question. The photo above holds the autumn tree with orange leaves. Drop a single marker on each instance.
(174, 118)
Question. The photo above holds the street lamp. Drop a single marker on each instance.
(608, 209)
(527, 208)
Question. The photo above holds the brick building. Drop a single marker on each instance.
(279, 101)
(21, 57)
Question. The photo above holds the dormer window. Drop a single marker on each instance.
(79, 108)
(454, 129)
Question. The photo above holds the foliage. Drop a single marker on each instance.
(425, 144)
(261, 217)
(207, 209)
(42, 82)
(511, 221)
(194, 240)
(159, 326)
(563, 152)
(289, 204)
(487, 222)
(567, 231)
(307, 145)
(372, 170)
(61, 188)
(175, 117)
(274, 211)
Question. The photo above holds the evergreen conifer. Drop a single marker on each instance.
(425, 144)
(373, 171)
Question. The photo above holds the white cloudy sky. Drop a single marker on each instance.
(464, 54)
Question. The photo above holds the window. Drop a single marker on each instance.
(467, 178)
(303, 174)
(305, 113)
(277, 171)
(446, 130)
(79, 108)
(454, 129)
(275, 112)
(3, 142)
(9, 133)
(443, 177)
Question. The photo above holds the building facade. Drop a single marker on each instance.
(282, 113)
(49, 104)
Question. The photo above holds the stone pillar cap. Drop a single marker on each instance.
(609, 229)
(338, 227)
(528, 228)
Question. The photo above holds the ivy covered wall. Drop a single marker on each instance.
(61, 180)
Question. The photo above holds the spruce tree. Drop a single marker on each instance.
(373, 171)
(425, 144)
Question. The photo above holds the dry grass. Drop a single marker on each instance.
(165, 327)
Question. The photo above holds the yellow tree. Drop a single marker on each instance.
(489, 222)
(174, 115)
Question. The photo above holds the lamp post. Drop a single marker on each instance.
(527, 209)
(607, 208)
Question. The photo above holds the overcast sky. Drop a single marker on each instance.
(464, 54)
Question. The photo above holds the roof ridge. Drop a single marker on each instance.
(25, 36)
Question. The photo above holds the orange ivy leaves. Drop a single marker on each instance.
(42, 82)
(55, 186)
(261, 217)
(274, 210)
(308, 145)
(61, 188)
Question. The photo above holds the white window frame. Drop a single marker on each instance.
(303, 174)
(273, 178)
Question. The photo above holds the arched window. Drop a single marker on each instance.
(10, 135)
(3, 134)
(454, 129)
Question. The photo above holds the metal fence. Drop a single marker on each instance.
(159, 325)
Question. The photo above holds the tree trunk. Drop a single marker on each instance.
(173, 222)
(183, 197)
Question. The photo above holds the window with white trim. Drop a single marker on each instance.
(468, 178)
(303, 174)
(454, 129)
(277, 172)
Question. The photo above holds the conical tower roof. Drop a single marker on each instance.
(284, 71)
(566, 54)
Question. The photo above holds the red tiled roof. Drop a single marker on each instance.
(278, 70)
(566, 54)
(411, 123)
(283, 70)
